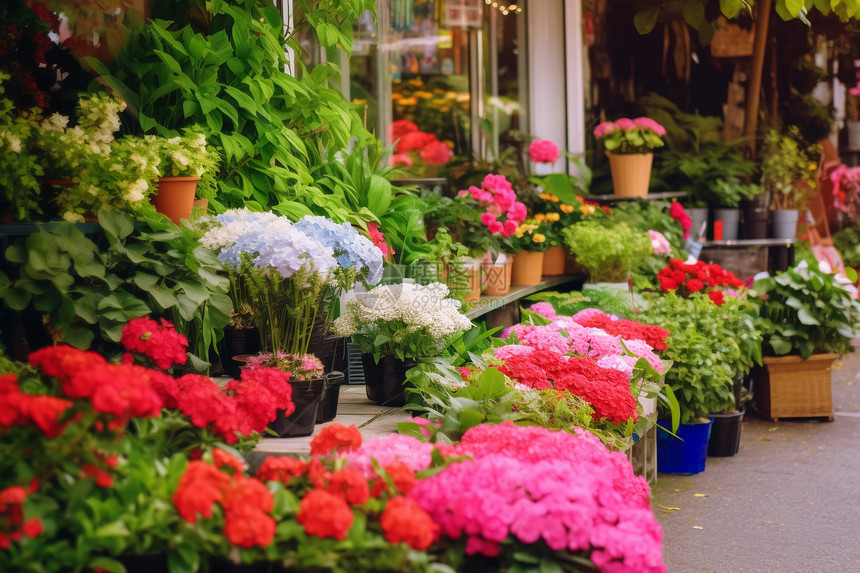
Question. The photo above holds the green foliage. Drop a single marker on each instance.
(847, 241)
(19, 190)
(789, 168)
(697, 159)
(228, 77)
(806, 311)
(461, 218)
(87, 292)
(608, 252)
(709, 346)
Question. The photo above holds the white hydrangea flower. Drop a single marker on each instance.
(136, 191)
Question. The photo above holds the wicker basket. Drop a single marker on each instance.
(791, 387)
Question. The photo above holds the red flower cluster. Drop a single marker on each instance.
(654, 336)
(405, 520)
(403, 477)
(18, 408)
(281, 468)
(249, 404)
(676, 211)
(686, 279)
(123, 390)
(246, 502)
(608, 391)
(336, 438)
(159, 342)
(12, 524)
(325, 515)
(410, 138)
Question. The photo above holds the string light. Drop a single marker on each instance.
(505, 9)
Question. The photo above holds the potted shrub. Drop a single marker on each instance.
(789, 168)
(607, 251)
(395, 326)
(630, 143)
(705, 351)
(808, 319)
(187, 168)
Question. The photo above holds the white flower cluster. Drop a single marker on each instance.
(417, 306)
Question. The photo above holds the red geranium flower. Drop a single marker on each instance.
(160, 342)
(336, 438)
(405, 520)
(325, 515)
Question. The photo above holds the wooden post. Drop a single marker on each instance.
(754, 85)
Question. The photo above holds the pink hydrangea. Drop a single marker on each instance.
(618, 362)
(643, 350)
(543, 151)
(389, 449)
(648, 123)
(625, 124)
(587, 314)
(505, 352)
(541, 338)
(603, 129)
(535, 484)
(544, 309)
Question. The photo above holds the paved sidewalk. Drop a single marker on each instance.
(789, 501)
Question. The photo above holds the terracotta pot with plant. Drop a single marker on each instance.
(629, 143)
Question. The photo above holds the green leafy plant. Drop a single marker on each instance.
(226, 73)
(608, 252)
(730, 192)
(806, 311)
(789, 168)
(87, 292)
(709, 346)
(20, 194)
(847, 241)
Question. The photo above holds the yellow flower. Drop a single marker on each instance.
(552, 217)
(587, 209)
(812, 166)
(540, 217)
(549, 197)
(565, 208)
(539, 238)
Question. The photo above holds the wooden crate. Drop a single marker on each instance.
(790, 387)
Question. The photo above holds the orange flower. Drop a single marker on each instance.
(336, 438)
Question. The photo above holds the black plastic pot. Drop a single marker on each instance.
(725, 434)
(328, 405)
(754, 217)
(237, 342)
(384, 381)
(306, 396)
(147, 563)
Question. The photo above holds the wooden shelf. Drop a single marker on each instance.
(488, 304)
(648, 197)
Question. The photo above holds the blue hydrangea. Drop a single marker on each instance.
(351, 248)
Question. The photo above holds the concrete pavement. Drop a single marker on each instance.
(789, 501)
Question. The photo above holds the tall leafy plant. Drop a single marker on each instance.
(227, 73)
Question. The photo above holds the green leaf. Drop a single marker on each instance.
(117, 224)
(805, 317)
(731, 8)
(694, 13)
(106, 564)
(469, 418)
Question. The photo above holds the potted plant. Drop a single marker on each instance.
(728, 194)
(808, 319)
(529, 244)
(395, 326)
(607, 251)
(705, 353)
(788, 172)
(187, 168)
(629, 143)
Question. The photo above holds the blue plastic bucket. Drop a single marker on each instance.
(683, 457)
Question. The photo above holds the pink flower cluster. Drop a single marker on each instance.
(625, 124)
(387, 450)
(543, 151)
(535, 484)
(503, 212)
(659, 243)
(676, 211)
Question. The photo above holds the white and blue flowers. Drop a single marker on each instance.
(313, 244)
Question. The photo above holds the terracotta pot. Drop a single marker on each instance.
(631, 173)
(527, 269)
(202, 203)
(571, 267)
(554, 261)
(498, 278)
(175, 197)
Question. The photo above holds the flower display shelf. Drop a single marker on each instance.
(649, 197)
(488, 304)
(778, 254)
